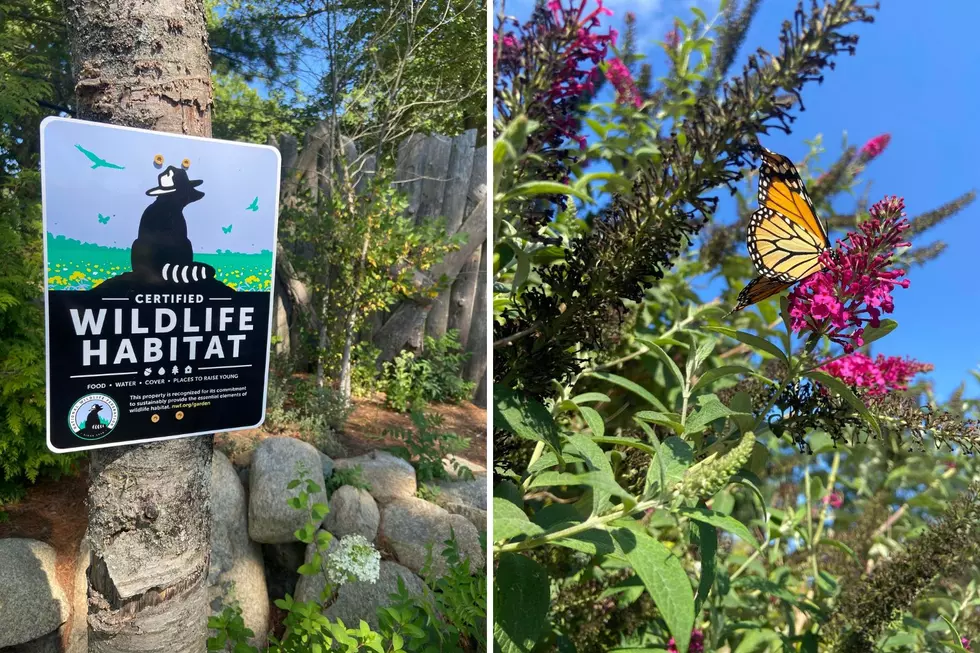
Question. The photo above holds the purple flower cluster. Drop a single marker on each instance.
(877, 376)
(555, 58)
(696, 646)
(854, 288)
(626, 92)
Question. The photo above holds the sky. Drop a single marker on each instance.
(234, 174)
(913, 76)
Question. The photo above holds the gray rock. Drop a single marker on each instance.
(32, 602)
(472, 493)
(243, 477)
(50, 643)
(275, 463)
(327, 464)
(475, 516)
(408, 526)
(237, 572)
(388, 476)
(353, 511)
(356, 601)
(450, 462)
(309, 588)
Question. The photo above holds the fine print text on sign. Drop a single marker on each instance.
(159, 254)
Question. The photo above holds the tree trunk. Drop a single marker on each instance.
(406, 322)
(453, 210)
(145, 64)
(461, 300)
(476, 366)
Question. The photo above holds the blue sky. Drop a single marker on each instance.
(913, 76)
(233, 175)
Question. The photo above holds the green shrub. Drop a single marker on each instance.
(348, 476)
(317, 413)
(409, 380)
(23, 453)
(425, 447)
(364, 369)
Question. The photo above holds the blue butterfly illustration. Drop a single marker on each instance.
(254, 206)
(227, 229)
(103, 219)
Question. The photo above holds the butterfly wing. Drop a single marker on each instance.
(785, 237)
(758, 289)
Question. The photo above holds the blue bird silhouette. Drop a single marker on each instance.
(254, 206)
(98, 162)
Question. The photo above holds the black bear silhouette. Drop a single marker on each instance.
(92, 423)
(162, 246)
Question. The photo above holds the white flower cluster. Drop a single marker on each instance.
(353, 559)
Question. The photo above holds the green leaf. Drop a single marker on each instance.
(877, 333)
(837, 544)
(521, 598)
(594, 420)
(716, 373)
(661, 419)
(587, 397)
(718, 520)
(710, 410)
(509, 521)
(708, 548)
(676, 455)
(534, 188)
(658, 351)
(600, 464)
(757, 343)
(665, 579)
(603, 482)
(632, 387)
(525, 418)
(757, 641)
(847, 395)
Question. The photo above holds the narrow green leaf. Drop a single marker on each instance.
(710, 410)
(660, 418)
(658, 351)
(757, 343)
(600, 464)
(594, 420)
(632, 387)
(712, 375)
(665, 579)
(521, 598)
(587, 397)
(535, 188)
(877, 333)
(718, 520)
(845, 393)
(708, 548)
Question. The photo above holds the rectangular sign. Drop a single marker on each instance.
(159, 253)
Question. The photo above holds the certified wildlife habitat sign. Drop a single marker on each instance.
(159, 257)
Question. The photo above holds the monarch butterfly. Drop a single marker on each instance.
(785, 237)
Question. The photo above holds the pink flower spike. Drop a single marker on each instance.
(875, 147)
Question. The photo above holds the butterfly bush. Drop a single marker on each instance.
(626, 91)
(854, 288)
(874, 147)
(876, 376)
(549, 64)
(354, 559)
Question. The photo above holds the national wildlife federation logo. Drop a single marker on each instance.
(93, 417)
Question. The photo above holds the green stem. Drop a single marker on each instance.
(809, 523)
(595, 521)
(834, 467)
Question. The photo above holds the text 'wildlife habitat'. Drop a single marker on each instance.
(159, 255)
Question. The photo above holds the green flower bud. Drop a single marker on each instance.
(704, 479)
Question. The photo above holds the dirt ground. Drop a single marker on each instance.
(54, 510)
(365, 427)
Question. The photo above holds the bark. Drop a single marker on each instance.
(406, 322)
(145, 64)
(461, 300)
(476, 366)
(460, 170)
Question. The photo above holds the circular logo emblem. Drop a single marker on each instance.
(93, 417)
